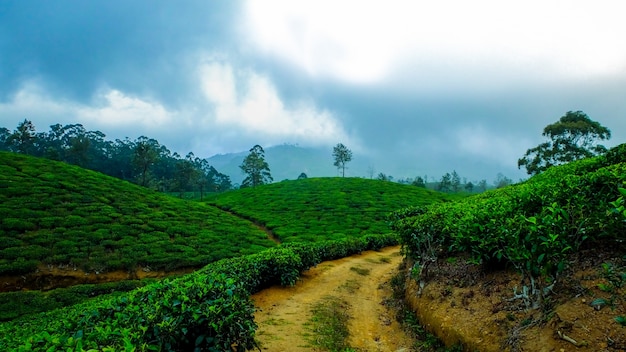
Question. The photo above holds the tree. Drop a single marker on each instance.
(502, 181)
(482, 185)
(145, 154)
(302, 176)
(469, 186)
(257, 169)
(574, 136)
(22, 140)
(445, 185)
(4, 137)
(382, 177)
(455, 182)
(342, 156)
(419, 182)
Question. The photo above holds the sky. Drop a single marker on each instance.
(417, 87)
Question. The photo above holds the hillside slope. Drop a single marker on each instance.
(58, 215)
(316, 209)
(534, 266)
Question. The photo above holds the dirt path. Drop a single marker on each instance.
(361, 280)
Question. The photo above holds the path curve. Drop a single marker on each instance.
(283, 312)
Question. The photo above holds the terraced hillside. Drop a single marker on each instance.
(317, 209)
(57, 215)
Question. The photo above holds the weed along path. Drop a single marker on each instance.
(359, 283)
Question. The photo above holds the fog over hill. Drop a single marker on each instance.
(288, 161)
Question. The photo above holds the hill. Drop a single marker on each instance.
(57, 215)
(539, 265)
(315, 209)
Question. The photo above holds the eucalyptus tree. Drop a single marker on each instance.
(146, 153)
(22, 140)
(575, 136)
(257, 169)
(342, 156)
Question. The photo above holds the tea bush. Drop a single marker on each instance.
(209, 309)
(533, 226)
(62, 214)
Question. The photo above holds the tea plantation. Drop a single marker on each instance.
(317, 209)
(53, 213)
(537, 226)
(61, 215)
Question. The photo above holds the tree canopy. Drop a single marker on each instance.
(342, 156)
(257, 169)
(143, 161)
(575, 136)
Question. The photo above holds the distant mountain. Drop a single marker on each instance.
(289, 161)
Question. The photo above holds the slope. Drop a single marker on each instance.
(55, 215)
(317, 209)
(535, 266)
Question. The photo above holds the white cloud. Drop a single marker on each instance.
(118, 109)
(477, 142)
(249, 102)
(365, 41)
(30, 101)
(112, 111)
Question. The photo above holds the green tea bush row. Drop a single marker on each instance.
(58, 214)
(318, 209)
(534, 225)
(207, 310)
(20, 303)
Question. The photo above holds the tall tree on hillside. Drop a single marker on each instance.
(257, 169)
(445, 184)
(342, 156)
(502, 181)
(419, 182)
(145, 155)
(455, 182)
(4, 137)
(575, 136)
(22, 140)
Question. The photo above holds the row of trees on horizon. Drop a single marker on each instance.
(148, 163)
(143, 161)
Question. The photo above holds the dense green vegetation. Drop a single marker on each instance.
(58, 214)
(209, 309)
(143, 161)
(20, 303)
(534, 226)
(315, 209)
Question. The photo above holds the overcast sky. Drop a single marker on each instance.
(433, 85)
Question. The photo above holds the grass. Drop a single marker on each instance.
(329, 324)
(360, 271)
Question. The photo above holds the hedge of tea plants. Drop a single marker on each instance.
(52, 213)
(533, 226)
(317, 209)
(208, 310)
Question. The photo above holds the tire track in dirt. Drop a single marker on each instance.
(283, 312)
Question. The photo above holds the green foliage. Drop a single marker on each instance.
(256, 168)
(143, 161)
(534, 225)
(317, 209)
(209, 309)
(21, 303)
(54, 213)
(573, 137)
(342, 155)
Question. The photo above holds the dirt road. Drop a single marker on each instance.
(361, 280)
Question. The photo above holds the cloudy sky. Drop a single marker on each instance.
(434, 86)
